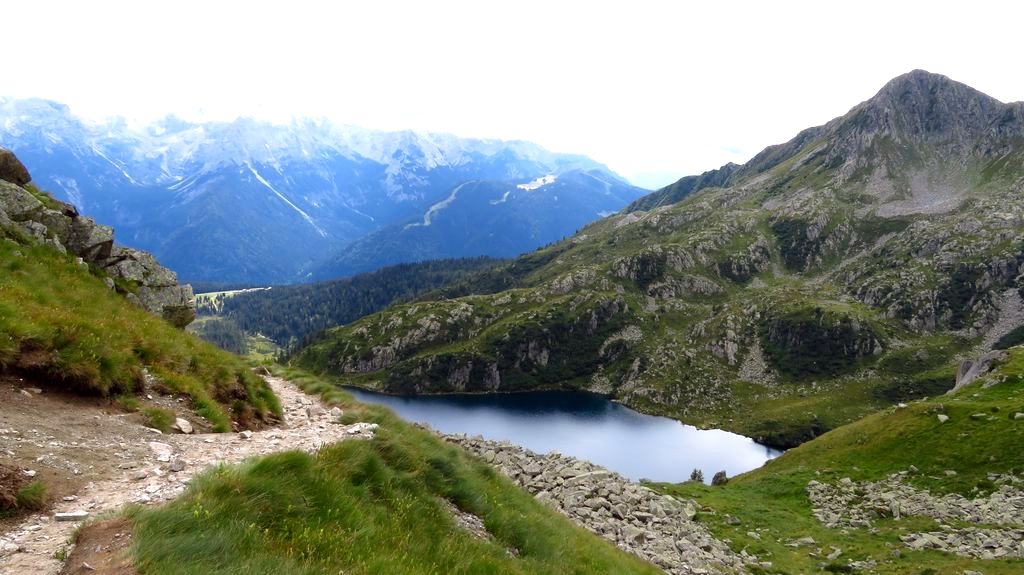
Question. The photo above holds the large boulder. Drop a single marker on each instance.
(89, 240)
(139, 267)
(11, 168)
(176, 304)
(17, 202)
(57, 224)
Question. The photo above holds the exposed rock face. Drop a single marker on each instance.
(57, 224)
(12, 170)
(972, 370)
(658, 528)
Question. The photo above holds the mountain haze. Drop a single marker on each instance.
(844, 270)
(255, 202)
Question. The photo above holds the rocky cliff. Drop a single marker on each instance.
(134, 273)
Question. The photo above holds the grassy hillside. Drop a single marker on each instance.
(62, 326)
(362, 507)
(848, 269)
(981, 440)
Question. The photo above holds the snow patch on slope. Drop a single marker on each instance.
(434, 209)
(304, 215)
(504, 198)
(541, 181)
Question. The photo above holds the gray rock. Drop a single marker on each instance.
(17, 203)
(943, 418)
(12, 170)
(182, 425)
(89, 240)
(161, 451)
(34, 230)
(71, 516)
(1018, 416)
(972, 370)
(57, 224)
(720, 478)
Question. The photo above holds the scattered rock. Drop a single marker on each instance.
(803, 542)
(183, 425)
(943, 418)
(71, 516)
(1018, 416)
(655, 527)
(720, 478)
(161, 451)
(245, 434)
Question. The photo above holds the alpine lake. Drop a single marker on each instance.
(586, 426)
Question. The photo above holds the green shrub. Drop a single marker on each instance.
(32, 497)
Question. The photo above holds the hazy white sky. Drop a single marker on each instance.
(647, 87)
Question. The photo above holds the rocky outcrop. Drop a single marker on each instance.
(971, 370)
(658, 528)
(134, 273)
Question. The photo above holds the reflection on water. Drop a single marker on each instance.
(586, 426)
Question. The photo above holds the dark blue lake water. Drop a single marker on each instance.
(586, 426)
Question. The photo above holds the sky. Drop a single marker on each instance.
(654, 89)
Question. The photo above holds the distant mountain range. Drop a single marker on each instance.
(247, 201)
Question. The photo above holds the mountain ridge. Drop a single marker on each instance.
(853, 253)
(912, 95)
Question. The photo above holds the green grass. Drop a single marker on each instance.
(159, 418)
(32, 496)
(61, 324)
(361, 507)
(772, 503)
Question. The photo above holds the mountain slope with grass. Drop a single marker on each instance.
(72, 316)
(932, 486)
(847, 269)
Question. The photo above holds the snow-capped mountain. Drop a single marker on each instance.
(258, 202)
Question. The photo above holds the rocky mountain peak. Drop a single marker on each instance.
(923, 107)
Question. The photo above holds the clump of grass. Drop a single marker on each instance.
(127, 402)
(363, 507)
(32, 496)
(159, 418)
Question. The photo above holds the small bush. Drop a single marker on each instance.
(159, 418)
(32, 497)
